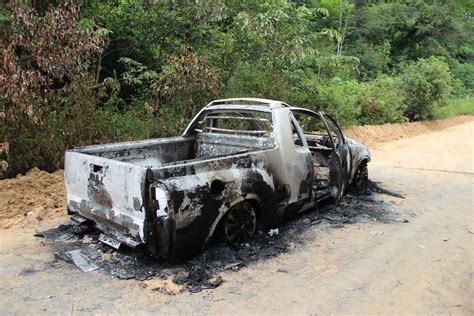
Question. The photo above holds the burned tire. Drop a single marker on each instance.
(361, 178)
(240, 223)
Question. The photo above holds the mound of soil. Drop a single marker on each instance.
(374, 135)
(32, 197)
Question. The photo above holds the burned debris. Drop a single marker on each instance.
(79, 244)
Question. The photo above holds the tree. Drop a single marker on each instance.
(43, 58)
(425, 84)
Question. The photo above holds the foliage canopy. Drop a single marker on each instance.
(76, 73)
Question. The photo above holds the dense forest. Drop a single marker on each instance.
(82, 72)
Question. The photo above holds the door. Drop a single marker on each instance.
(340, 159)
(330, 152)
(299, 164)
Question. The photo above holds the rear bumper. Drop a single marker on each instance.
(159, 237)
(120, 227)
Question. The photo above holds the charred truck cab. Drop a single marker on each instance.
(239, 162)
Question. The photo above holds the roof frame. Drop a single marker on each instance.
(249, 101)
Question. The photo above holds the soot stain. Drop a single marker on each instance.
(203, 270)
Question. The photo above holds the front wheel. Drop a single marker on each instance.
(240, 223)
(361, 179)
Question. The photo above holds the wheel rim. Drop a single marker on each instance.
(240, 224)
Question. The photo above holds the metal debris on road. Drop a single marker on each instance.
(112, 242)
(81, 260)
(273, 232)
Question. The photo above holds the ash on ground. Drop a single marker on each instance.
(202, 271)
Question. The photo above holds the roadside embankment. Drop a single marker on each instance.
(374, 135)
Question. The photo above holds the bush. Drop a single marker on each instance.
(137, 122)
(381, 101)
(426, 85)
(339, 98)
(258, 80)
(47, 89)
(455, 107)
(32, 143)
(71, 121)
(351, 103)
(463, 85)
(186, 83)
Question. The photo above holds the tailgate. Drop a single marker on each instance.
(109, 192)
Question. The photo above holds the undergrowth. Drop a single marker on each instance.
(455, 107)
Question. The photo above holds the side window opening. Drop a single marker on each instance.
(335, 134)
(314, 130)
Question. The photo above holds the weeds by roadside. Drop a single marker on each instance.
(455, 107)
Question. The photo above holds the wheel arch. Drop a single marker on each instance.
(253, 198)
(363, 159)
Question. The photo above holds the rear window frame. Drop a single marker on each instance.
(266, 117)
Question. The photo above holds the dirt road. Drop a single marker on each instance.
(423, 266)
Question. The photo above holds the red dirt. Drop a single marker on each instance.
(375, 135)
(32, 197)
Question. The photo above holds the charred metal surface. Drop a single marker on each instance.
(96, 190)
(172, 193)
(306, 184)
(123, 227)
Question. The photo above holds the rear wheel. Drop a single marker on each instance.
(361, 179)
(240, 223)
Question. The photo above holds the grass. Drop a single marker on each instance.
(455, 107)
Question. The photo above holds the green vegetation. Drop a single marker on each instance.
(76, 73)
(455, 107)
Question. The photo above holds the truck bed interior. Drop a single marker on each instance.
(165, 151)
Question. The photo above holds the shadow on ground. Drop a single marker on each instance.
(202, 271)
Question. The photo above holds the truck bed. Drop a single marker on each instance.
(107, 183)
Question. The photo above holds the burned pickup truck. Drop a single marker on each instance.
(241, 163)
